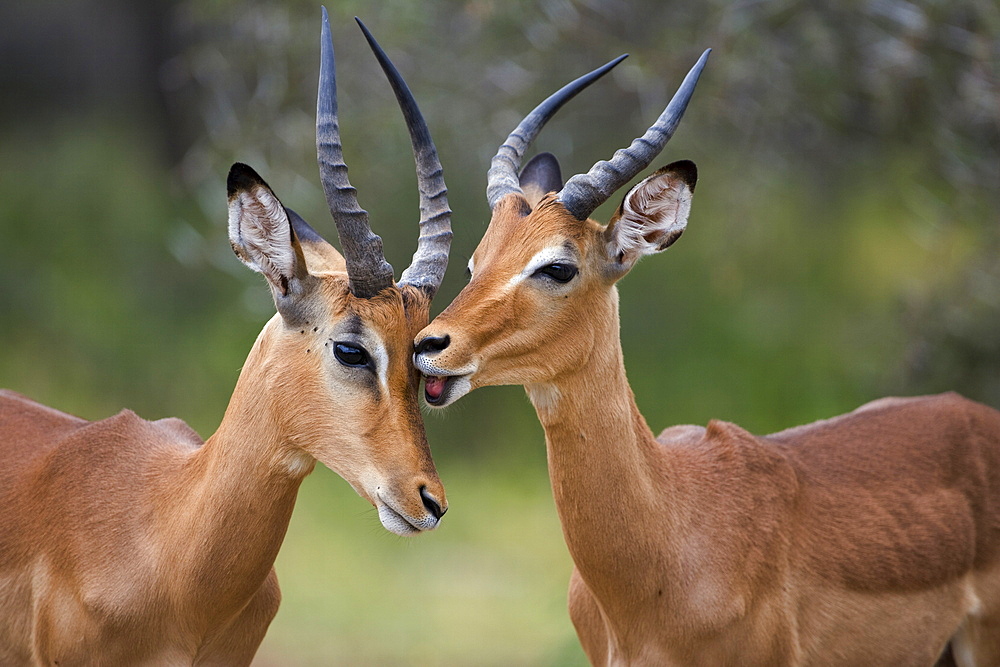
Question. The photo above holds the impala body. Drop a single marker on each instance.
(872, 538)
(126, 542)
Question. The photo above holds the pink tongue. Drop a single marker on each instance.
(434, 386)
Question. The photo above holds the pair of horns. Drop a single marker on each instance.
(583, 193)
(368, 271)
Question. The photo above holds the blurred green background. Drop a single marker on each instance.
(843, 244)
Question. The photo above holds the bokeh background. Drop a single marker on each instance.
(843, 244)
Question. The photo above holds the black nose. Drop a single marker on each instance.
(433, 344)
(431, 504)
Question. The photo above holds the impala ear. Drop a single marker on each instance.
(320, 255)
(539, 177)
(261, 235)
(652, 215)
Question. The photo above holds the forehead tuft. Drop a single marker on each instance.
(514, 239)
(389, 313)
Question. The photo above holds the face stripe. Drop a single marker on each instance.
(381, 359)
(554, 254)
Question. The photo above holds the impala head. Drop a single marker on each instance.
(336, 357)
(542, 290)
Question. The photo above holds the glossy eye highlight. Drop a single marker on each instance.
(561, 273)
(351, 355)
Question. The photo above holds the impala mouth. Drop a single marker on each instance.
(396, 522)
(434, 388)
(443, 386)
(441, 390)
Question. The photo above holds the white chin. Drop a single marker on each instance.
(393, 522)
(458, 386)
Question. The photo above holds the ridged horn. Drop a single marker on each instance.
(583, 193)
(426, 270)
(367, 270)
(501, 180)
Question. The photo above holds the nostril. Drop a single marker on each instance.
(431, 504)
(433, 344)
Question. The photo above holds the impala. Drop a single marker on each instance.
(872, 538)
(124, 541)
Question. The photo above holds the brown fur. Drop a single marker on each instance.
(869, 539)
(125, 542)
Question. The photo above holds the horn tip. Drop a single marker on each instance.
(367, 33)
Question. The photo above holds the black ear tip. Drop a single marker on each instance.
(686, 170)
(241, 178)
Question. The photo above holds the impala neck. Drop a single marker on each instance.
(602, 460)
(236, 493)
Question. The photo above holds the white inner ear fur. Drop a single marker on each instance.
(260, 233)
(654, 214)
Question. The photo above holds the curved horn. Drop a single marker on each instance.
(430, 260)
(367, 270)
(501, 180)
(585, 192)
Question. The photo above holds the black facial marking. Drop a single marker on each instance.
(352, 325)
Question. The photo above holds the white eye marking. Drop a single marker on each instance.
(381, 359)
(371, 343)
(472, 265)
(555, 254)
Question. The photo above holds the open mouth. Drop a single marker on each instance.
(440, 390)
(434, 388)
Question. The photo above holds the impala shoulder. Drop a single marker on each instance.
(16, 408)
(946, 401)
(123, 442)
(680, 434)
(733, 450)
(177, 430)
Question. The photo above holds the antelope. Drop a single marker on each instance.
(872, 538)
(126, 542)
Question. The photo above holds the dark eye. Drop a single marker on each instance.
(561, 273)
(350, 355)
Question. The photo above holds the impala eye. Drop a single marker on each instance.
(561, 273)
(351, 355)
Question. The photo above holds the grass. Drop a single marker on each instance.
(487, 588)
